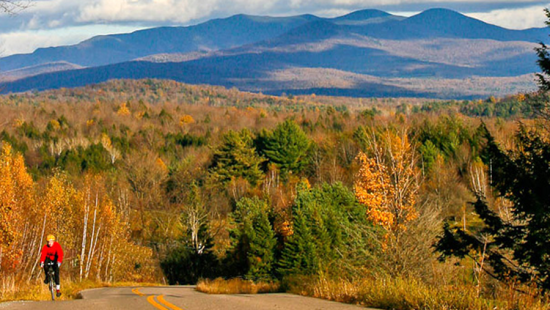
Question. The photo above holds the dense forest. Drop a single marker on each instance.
(157, 181)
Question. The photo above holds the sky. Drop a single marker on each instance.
(46, 23)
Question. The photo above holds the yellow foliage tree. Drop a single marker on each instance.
(16, 199)
(186, 119)
(387, 181)
(123, 110)
(60, 204)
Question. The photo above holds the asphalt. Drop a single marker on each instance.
(179, 298)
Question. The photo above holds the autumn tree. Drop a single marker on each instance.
(145, 173)
(16, 198)
(386, 183)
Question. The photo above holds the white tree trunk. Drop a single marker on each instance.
(84, 234)
(92, 237)
(39, 245)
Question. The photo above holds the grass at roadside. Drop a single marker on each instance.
(36, 290)
(405, 294)
(236, 286)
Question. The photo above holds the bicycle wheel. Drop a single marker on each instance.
(52, 286)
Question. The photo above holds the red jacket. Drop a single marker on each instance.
(54, 253)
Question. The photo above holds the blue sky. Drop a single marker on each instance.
(61, 22)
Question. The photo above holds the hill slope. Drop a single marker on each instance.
(364, 47)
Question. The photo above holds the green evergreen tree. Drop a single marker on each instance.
(544, 61)
(518, 247)
(429, 154)
(286, 147)
(329, 231)
(253, 238)
(236, 158)
(299, 255)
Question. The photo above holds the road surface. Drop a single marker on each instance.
(178, 298)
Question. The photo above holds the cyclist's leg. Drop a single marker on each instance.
(56, 270)
(46, 280)
(58, 287)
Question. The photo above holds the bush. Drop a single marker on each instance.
(184, 265)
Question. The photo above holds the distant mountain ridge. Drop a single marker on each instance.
(38, 69)
(246, 51)
(211, 35)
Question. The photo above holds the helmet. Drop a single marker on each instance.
(50, 237)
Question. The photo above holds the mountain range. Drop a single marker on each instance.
(364, 53)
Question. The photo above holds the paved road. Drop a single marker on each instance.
(178, 298)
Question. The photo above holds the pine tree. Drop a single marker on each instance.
(236, 158)
(262, 247)
(544, 62)
(540, 102)
(517, 247)
(329, 232)
(299, 255)
(287, 147)
(253, 238)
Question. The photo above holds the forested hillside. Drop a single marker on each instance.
(154, 180)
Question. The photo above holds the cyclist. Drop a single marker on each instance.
(53, 252)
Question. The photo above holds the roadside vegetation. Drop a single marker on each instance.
(341, 198)
(236, 286)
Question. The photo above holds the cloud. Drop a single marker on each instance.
(151, 10)
(173, 11)
(27, 41)
(51, 14)
(520, 18)
(56, 22)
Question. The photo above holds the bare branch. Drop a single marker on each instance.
(14, 6)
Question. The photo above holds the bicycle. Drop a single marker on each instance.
(51, 275)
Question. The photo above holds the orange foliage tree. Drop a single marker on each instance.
(387, 181)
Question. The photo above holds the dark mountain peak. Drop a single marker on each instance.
(440, 16)
(441, 12)
(445, 23)
(363, 14)
(313, 31)
(265, 19)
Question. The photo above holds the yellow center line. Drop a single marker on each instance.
(169, 305)
(137, 292)
(151, 300)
